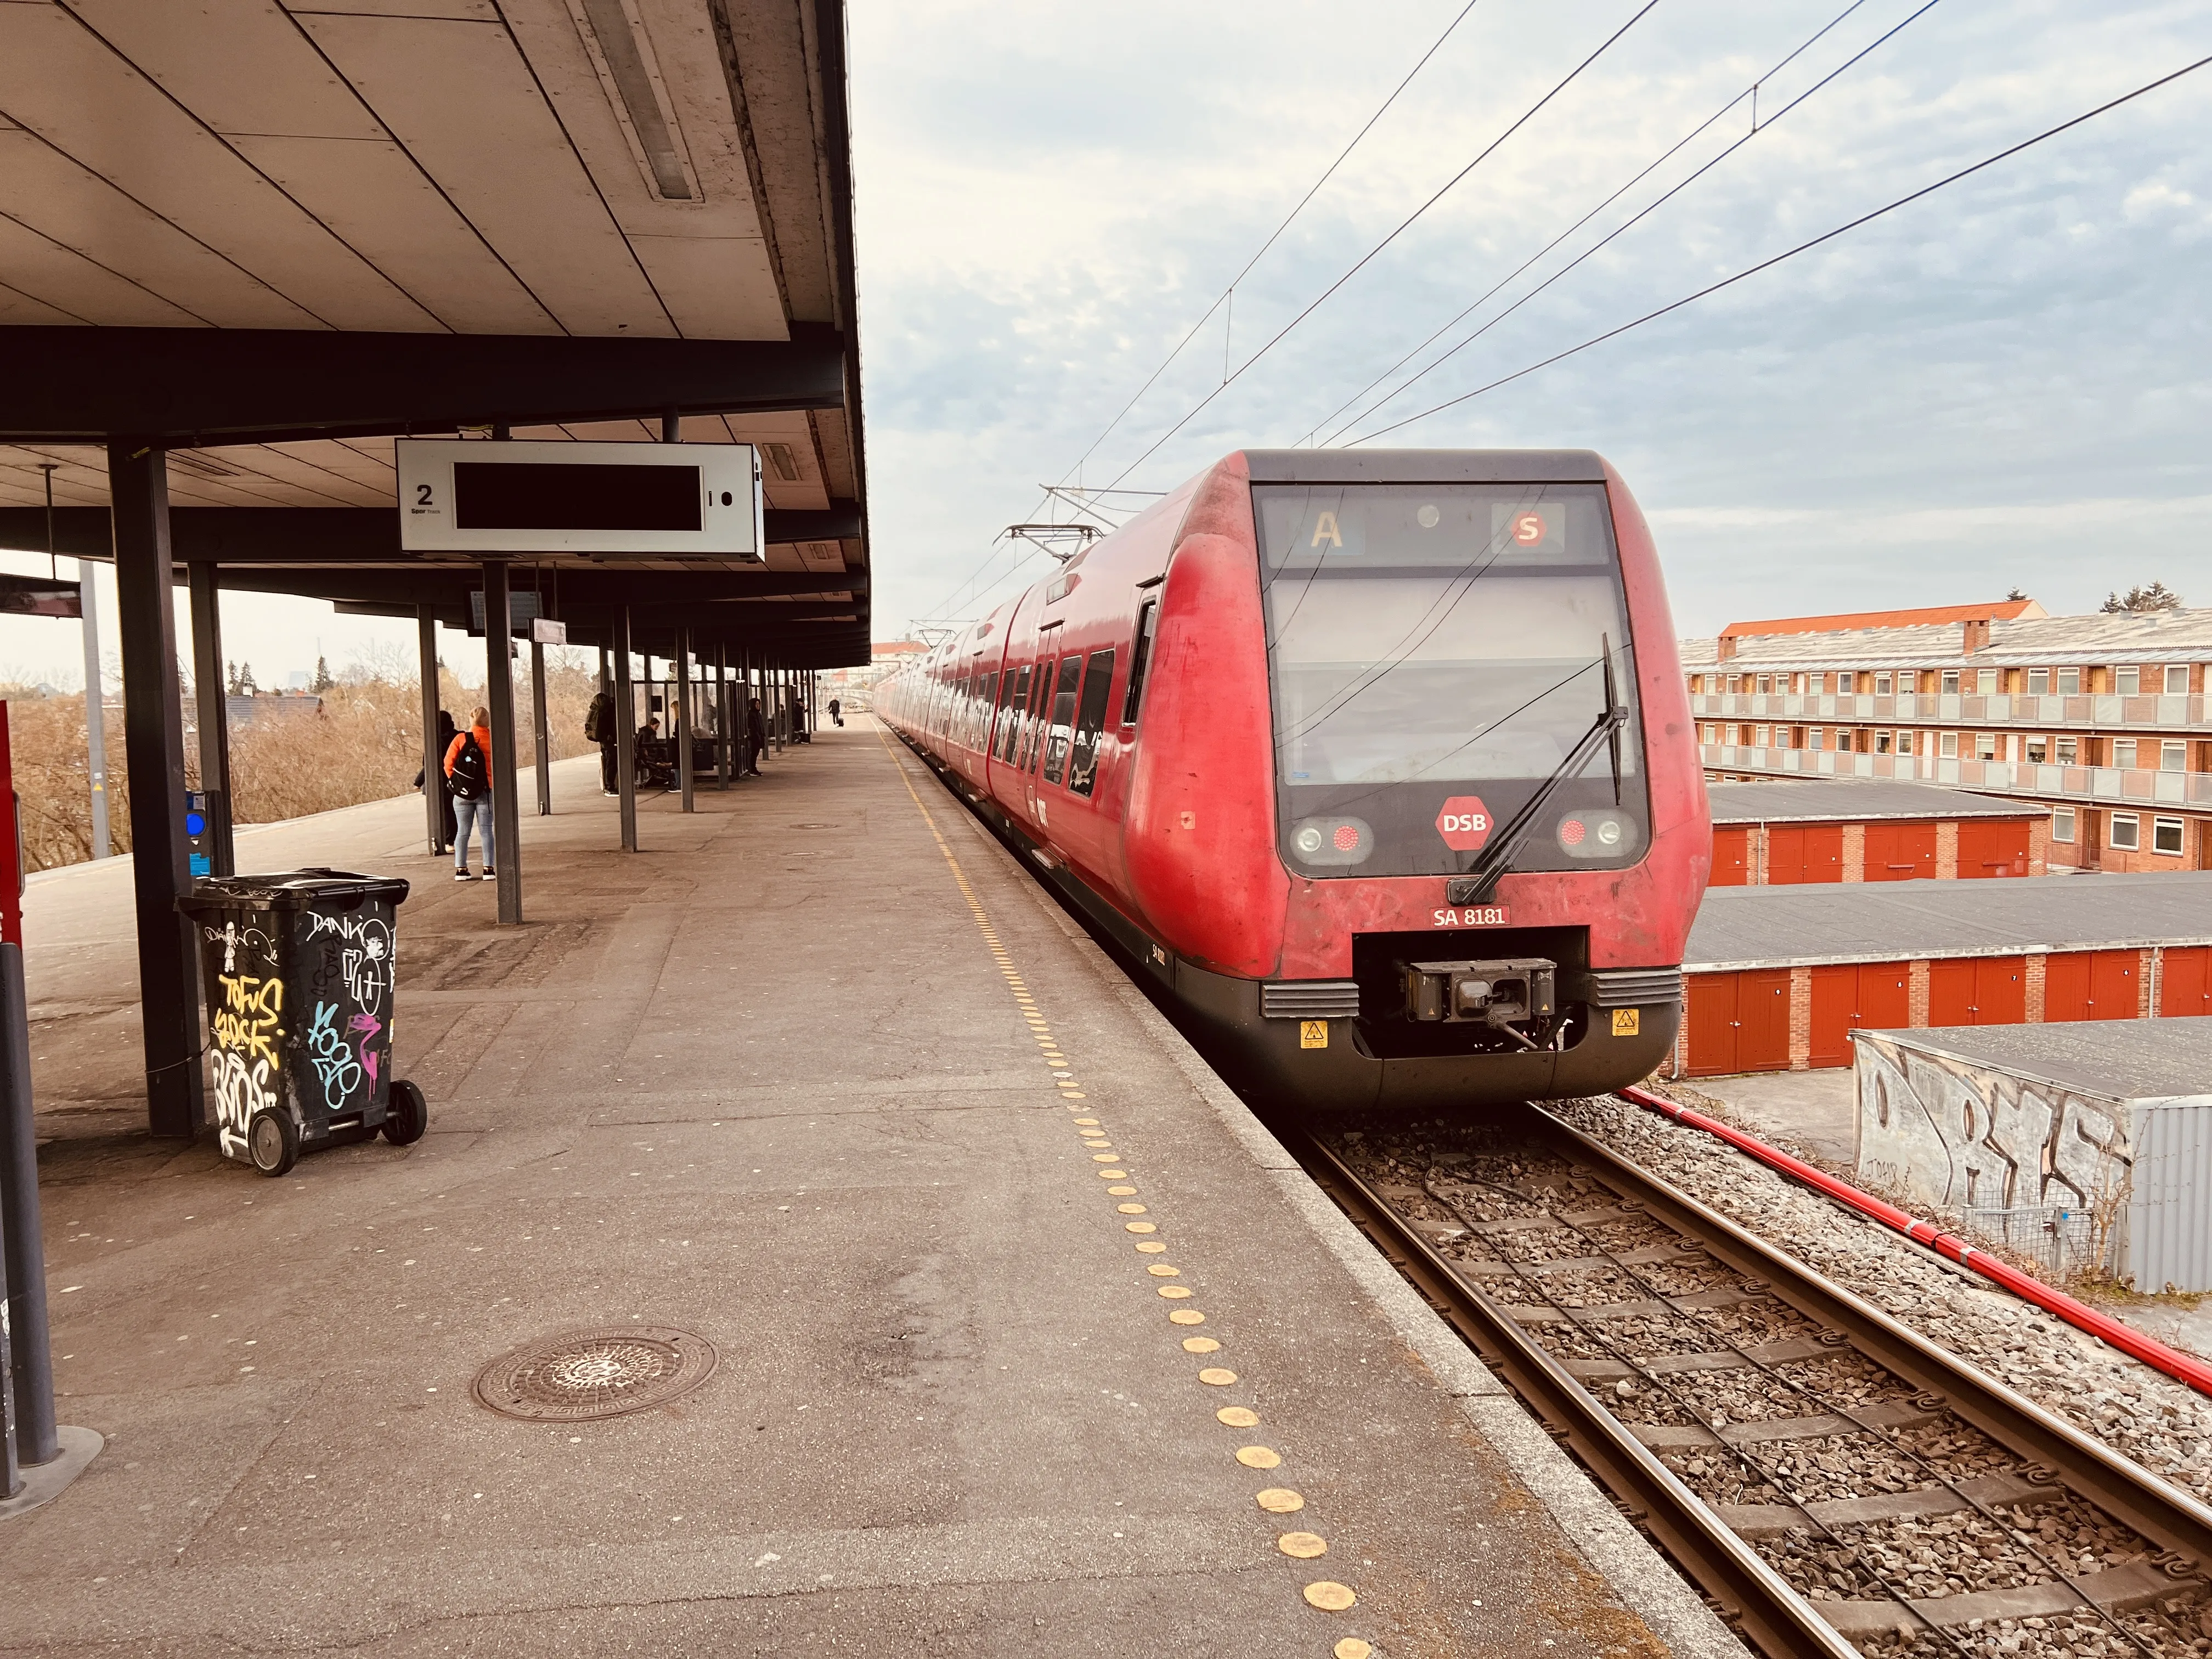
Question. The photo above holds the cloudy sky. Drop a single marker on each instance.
(2005, 383)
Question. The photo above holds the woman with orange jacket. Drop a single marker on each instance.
(468, 768)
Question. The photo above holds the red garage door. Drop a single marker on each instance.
(1805, 852)
(1731, 859)
(2186, 981)
(1739, 1021)
(1977, 991)
(1899, 851)
(1991, 847)
(2091, 985)
(1852, 996)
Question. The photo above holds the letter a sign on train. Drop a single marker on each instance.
(1464, 823)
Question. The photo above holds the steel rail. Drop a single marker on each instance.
(2125, 1490)
(1769, 1614)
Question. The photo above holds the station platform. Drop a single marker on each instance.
(821, 1080)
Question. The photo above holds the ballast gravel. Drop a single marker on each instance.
(2161, 1424)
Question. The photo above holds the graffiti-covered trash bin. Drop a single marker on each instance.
(298, 969)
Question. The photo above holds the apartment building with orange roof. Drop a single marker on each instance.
(2100, 720)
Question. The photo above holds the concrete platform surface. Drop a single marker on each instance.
(814, 1077)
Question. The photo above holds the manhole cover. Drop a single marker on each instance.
(596, 1373)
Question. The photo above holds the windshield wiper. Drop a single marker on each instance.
(1481, 879)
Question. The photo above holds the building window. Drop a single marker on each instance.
(2039, 682)
(1881, 743)
(2038, 751)
(2067, 751)
(2061, 825)
(2124, 753)
(2166, 837)
(2128, 682)
(1949, 746)
(1815, 738)
(1847, 682)
(1882, 685)
(1766, 685)
(2177, 679)
(1764, 738)
(1986, 682)
(1986, 746)
(2070, 682)
(2127, 832)
(1904, 743)
(1950, 682)
(2172, 757)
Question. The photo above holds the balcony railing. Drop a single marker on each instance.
(2103, 785)
(2086, 713)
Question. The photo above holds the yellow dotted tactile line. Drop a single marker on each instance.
(1325, 1593)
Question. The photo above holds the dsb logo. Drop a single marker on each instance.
(1464, 823)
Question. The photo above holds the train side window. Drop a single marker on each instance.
(1060, 734)
(984, 707)
(1016, 688)
(1140, 657)
(1090, 722)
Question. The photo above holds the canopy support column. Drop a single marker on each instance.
(722, 716)
(499, 678)
(154, 750)
(625, 732)
(679, 719)
(544, 740)
(434, 761)
(212, 708)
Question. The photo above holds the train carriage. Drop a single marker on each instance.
(1380, 761)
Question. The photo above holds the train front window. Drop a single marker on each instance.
(1439, 657)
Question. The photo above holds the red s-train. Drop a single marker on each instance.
(1380, 762)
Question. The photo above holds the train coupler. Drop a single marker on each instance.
(1502, 993)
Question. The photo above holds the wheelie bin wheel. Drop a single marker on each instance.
(274, 1141)
(408, 1115)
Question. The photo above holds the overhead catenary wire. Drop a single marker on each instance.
(1630, 223)
(1273, 236)
(1803, 247)
(1673, 150)
(1365, 259)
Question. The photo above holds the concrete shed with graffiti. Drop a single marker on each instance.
(2082, 1145)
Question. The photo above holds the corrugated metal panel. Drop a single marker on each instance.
(2169, 1241)
(1636, 987)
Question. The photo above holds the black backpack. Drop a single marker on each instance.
(468, 776)
(595, 718)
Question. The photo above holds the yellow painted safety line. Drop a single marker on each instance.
(1325, 1593)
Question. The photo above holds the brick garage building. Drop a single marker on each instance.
(1858, 829)
(1778, 977)
(2104, 720)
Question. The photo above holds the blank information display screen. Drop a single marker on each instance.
(510, 496)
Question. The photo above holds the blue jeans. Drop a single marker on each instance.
(477, 812)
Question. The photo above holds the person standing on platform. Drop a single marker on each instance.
(446, 733)
(836, 713)
(600, 728)
(755, 736)
(468, 766)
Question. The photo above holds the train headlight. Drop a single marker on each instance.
(1333, 841)
(1596, 833)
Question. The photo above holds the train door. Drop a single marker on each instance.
(1991, 847)
(1731, 858)
(1712, 1024)
(1899, 851)
(2184, 984)
(1801, 853)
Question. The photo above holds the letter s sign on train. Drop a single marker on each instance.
(1464, 823)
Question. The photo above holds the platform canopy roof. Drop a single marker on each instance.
(269, 237)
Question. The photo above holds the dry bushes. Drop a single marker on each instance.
(365, 743)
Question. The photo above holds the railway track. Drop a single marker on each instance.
(1832, 1481)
